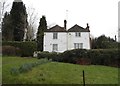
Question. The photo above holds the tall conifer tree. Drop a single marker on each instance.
(19, 20)
(7, 32)
(40, 34)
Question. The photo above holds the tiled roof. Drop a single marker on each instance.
(56, 28)
(77, 28)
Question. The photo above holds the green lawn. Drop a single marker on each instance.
(57, 73)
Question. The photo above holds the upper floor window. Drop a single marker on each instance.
(78, 45)
(77, 34)
(55, 35)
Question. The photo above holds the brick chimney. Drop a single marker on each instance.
(115, 38)
(65, 24)
(87, 26)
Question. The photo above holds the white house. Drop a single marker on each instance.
(119, 35)
(58, 39)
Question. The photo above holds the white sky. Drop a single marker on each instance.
(102, 15)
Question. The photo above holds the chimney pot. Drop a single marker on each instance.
(65, 24)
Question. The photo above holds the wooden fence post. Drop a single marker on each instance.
(83, 78)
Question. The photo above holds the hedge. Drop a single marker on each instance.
(26, 48)
(10, 51)
(108, 57)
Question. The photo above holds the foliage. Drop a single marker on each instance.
(72, 56)
(103, 42)
(104, 57)
(19, 20)
(14, 71)
(28, 66)
(40, 34)
(107, 57)
(48, 55)
(27, 48)
(7, 32)
(10, 51)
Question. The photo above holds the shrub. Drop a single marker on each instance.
(108, 57)
(43, 54)
(14, 71)
(28, 66)
(27, 48)
(103, 56)
(52, 55)
(10, 51)
(72, 56)
(25, 68)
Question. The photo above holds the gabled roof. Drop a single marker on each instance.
(77, 28)
(56, 28)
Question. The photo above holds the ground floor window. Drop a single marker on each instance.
(55, 47)
(78, 45)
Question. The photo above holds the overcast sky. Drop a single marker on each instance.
(102, 15)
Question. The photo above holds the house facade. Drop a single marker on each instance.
(58, 39)
(119, 35)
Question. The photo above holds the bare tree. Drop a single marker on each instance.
(3, 7)
(31, 29)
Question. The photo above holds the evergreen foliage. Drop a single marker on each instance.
(7, 32)
(103, 42)
(40, 34)
(19, 20)
(26, 48)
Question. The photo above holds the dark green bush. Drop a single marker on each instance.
(43, 54)
(72, 56)
(52, 55)
(107, 57)
(10, 51)
(27, 48)
(103, 57)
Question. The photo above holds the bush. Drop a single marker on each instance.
(25, 68)
(103, 57)
(72, 56)
(43, 54)
(10, 51)
(27, 48)
(108, 57)
(14, 71)
(52, 55)
(28, 66)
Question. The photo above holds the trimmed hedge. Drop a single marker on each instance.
(53, 55)
(108, 57)
(10, 51)
(27, 48)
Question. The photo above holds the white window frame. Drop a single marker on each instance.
(78, 45)
(55, 47)
(78, 34)
(55, 35)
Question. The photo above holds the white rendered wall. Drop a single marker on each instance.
(119, 35)
(49, 41)
(84, 38)
(65, 41)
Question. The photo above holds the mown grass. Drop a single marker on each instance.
(57, 73)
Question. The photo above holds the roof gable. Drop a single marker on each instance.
(77, 28)
(56, 28)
